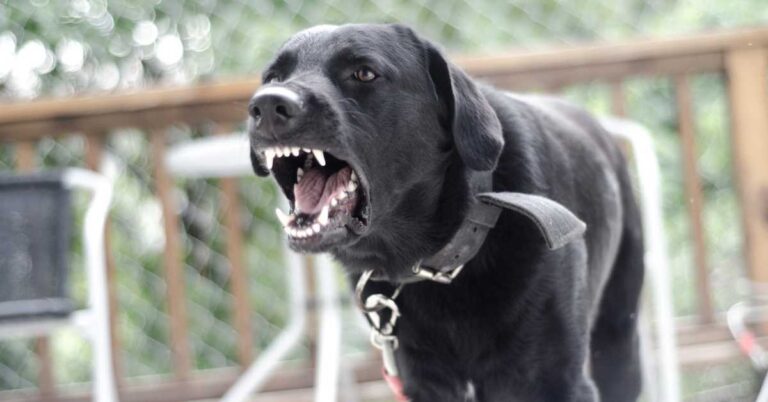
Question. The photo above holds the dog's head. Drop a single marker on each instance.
(370, 133)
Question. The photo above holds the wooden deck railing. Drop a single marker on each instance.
(740, 57)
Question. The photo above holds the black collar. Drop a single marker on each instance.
(557, 225)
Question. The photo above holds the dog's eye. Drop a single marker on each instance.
(364, 74)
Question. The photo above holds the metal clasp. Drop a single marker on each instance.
(436, 276)
(387, 344)
(381, 332)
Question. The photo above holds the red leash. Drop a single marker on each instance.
(396, 385)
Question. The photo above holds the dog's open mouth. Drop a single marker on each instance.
(326, 194)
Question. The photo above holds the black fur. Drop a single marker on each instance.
(521, 323)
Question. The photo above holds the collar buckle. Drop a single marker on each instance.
(433, 275)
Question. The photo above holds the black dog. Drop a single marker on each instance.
(381, 146)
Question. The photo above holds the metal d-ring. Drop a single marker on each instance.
(360, 288)
(382, 336)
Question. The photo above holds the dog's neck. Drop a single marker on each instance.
(469, 222)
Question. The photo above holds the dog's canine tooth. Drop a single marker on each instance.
(269, 156)
(351, 186)
(323, 217)
(295, 151)
(319, 156)
(316, 227)
(282, 217)
(353, 176)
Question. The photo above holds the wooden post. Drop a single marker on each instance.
(238, 278)
(694, 198)
(94, 152)
(173, 267)
(25, 156)
(25, 162)
(312, 323)
(746, 69)
(618, 99)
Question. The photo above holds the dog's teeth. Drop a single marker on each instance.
(307, 150)
(319, 156)
(282, 217)
(299, 174)
(316, 227)
(295, 151)
(334, 202)
(323, 217)
(353, 177)
(342, 195)
(279, 152)
(286, 151)
(269, 156)
(351, 186)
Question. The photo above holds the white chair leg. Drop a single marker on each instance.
(656, 259)
(104, 389)
(255, 376)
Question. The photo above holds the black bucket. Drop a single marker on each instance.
(35, 230)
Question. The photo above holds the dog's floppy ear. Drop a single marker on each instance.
(259, 167)
(476, 128)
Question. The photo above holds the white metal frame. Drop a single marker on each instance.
(663, 377)
(93, 321)
(228, 156)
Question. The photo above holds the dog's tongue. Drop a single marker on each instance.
(316, 189)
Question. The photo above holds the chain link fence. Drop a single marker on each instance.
(64, 48)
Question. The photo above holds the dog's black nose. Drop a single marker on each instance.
(275, 109)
